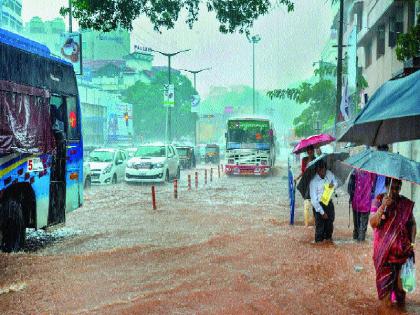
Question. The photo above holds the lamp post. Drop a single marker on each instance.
(253, 40)
(168, 132)
(194, 72)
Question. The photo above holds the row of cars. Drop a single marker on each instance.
(147, 163)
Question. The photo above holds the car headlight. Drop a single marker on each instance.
(158, 165)
(130, 164)
(107, 169)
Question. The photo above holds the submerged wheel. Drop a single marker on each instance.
(167, 176)
(12, 228)
(114, 179)
(178, 173)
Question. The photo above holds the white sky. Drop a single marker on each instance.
(290, 43)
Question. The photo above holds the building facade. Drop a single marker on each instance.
(11, 15)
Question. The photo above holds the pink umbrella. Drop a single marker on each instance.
(316, 141)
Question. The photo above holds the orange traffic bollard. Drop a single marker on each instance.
(196, 180)
(189, 182)
(176, 188)
(205, 177)
(211, 174)
(218, 171)
(154, 198)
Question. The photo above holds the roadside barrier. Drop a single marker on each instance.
(154, 198)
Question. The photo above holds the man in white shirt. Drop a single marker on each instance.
(324, 215)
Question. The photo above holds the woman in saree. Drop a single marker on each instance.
(394, 236)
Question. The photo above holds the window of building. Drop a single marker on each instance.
(396, 27)
(368, 55)
(411, 18)
(380, 41)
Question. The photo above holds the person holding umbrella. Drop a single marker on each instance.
(324, 213)
(307, 213)
(394, 236)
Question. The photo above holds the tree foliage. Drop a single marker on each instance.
(319, 96)
(149, 115)
(108, 15)
(408, 44)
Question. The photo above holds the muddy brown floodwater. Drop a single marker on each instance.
(226, 248)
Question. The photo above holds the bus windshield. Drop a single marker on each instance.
(151, 151)
(248, 132)
(101, 156)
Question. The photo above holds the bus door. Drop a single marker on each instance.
(57, 207)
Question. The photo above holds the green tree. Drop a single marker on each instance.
(108, 15)
(408, 44)
(149, 115)
(320, 98)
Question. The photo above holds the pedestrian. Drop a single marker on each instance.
(360, 188)
(394, 236)
(308, 216)
(324, 214)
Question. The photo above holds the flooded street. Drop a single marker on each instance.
(225, 248)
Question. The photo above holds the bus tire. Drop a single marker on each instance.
(13, 228)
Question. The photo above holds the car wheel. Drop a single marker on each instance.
(167, 176)
(178, 174)
(12, 229)
(114, 179)
(88, 183)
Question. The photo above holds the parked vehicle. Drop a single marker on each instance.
(212, 154)
(131, 152)
(41, 146)
(107, 165)
(86, 175)
(250, 146)
(186, 156)
(153, 163)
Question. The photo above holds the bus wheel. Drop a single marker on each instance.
(13, 231)
(114, 179)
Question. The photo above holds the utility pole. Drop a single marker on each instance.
(70, 17)
(339, 65)
(168, 132)
(194, 72)
(254, 40)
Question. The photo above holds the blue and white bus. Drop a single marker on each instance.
(41, 149)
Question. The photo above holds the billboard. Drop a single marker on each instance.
(71, 50)
(168, 95)
(120, 122)
(195, 103)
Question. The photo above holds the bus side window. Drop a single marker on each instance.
(73, 119)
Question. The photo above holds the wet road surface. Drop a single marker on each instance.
(225, 248)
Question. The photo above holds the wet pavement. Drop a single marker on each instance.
(225, 248)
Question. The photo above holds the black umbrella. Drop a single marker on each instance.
(392, 165)
(334, 164)
(391, 115)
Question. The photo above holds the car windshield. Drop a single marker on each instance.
(101, 156)
(183, 151)
(151, 151)
(249, 131)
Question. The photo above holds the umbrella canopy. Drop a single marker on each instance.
(316, 141)
(386, 164)
(334, 164)
(391, 115)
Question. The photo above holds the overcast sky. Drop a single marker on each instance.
(290, 43)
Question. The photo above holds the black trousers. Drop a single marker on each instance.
(360, 221)
(324, 227)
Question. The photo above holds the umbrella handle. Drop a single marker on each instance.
(389, 191)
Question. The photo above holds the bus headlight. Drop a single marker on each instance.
(107, 169)
(231, 161)
(263, 162)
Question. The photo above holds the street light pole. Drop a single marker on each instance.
(194, 73)
(254, 40)
(168, 132)
(339, 65)
(70, 18)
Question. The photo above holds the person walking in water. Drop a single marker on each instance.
(324, 214)
(307, 212)
(395, 231)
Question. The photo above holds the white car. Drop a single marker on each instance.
(153, 163)
(107, 166)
